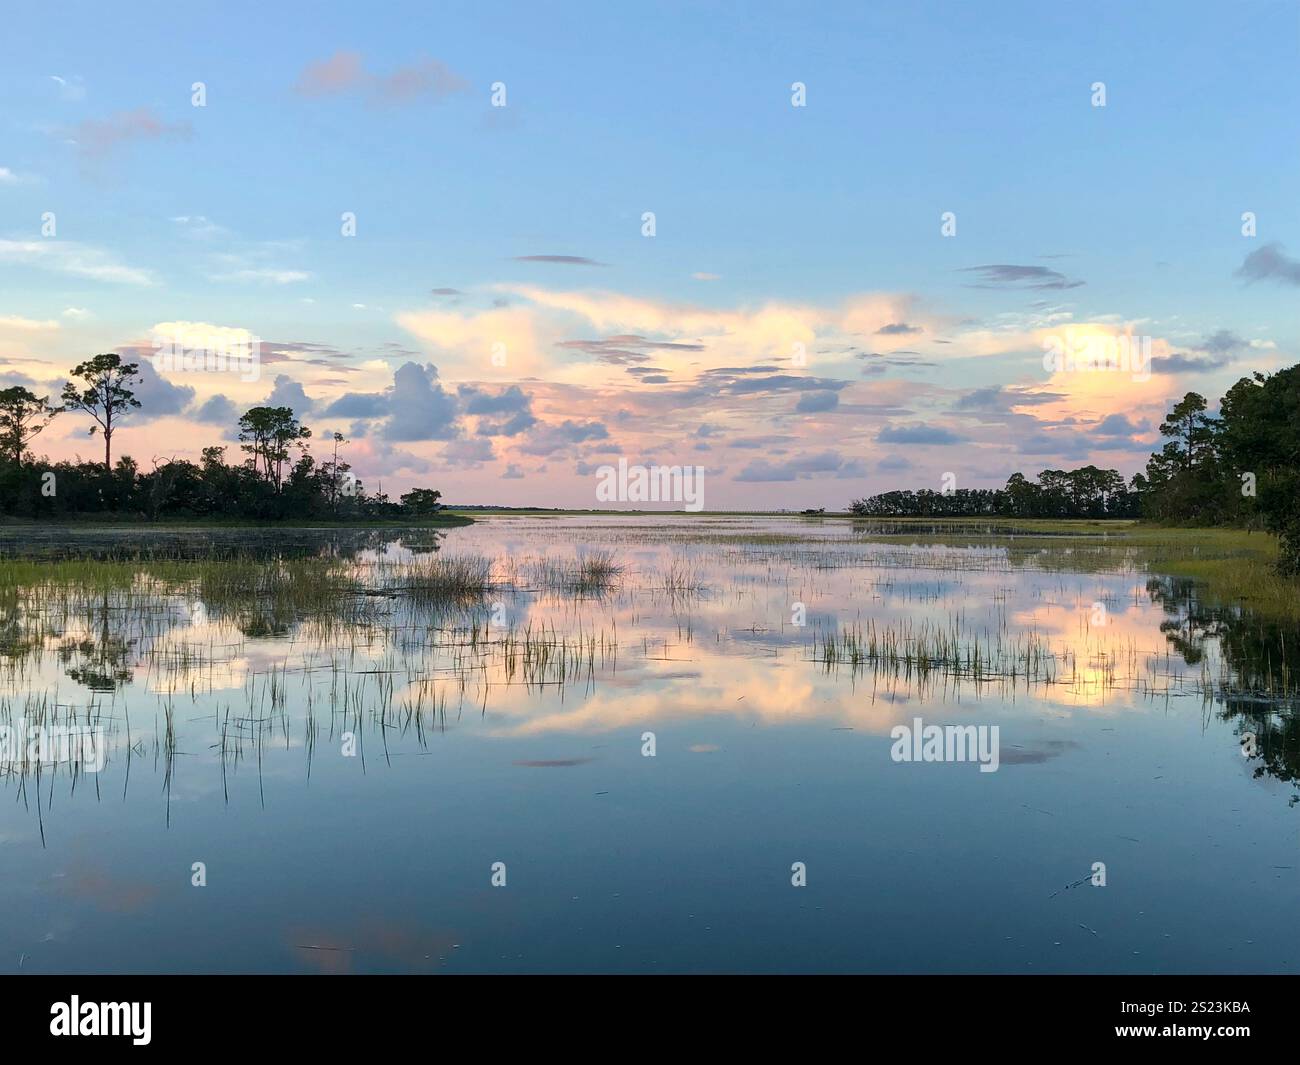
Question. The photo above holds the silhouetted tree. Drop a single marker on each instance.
(104, 393)
(22, 416)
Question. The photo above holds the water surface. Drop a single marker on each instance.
(349, 764)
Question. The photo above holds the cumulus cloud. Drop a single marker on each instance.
(1179, 362)
(1222, 342)
(506, 413)
(547, 439)
(825, 462)
(217, 410)
(418, 406)
(811, 402)
(414, 407)
(158, 396)
(468, 452)
(1118, 425)
(1067, 445)
(1215, 351)
(917, 434)
(1001, 399)
(286, 392)
(359, 405)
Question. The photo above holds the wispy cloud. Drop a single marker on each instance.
(265, 276)
(341, 72)
(72, 88)
(98, 138)
(427, 78)
(1010, 275)
(624, 349)
(563, 260)
(259, 263)
(27, 325)
(199, 227)
(75, 260)
(344, 72)
(1270, 263)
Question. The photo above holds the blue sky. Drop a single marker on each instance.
(775, 225)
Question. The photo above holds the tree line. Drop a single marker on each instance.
(278, 478)
(1239, 467)
(1084, 493)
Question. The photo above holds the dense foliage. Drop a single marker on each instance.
(1083, 493)
(1238, 467)
(278, 478)
(1241, 467)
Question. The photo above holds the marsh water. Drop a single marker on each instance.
(637, 744)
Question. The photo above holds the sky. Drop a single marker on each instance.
(818, 250)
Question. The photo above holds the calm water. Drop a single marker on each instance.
(511, 728)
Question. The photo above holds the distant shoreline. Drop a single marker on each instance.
(101, 521)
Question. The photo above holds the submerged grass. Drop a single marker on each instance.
(407, 639)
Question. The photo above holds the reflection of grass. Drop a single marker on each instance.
(680, 579)
(1234, 566)
(946, 650)
(458, 579)
(404, 639)
(594, 573)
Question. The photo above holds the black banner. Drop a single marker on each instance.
(960, 1012)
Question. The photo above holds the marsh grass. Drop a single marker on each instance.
(294, 651)
(459, 579)
(594, 573)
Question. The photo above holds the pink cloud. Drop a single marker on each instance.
(98, 138)
(341, 72)
(345, 72)
(428, 77)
